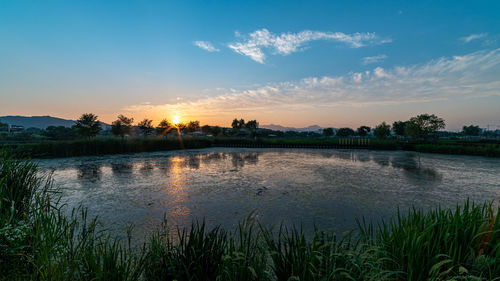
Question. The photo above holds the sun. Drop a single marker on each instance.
(176, 120)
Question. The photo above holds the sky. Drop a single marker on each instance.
(293, 63)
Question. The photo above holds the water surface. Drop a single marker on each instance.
(326, 188)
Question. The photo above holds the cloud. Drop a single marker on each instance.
(472, 75)
(471, 37)
(374, 59)
(287, 43)
(205, 45)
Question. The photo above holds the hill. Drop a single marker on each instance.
(313, 128)
(40, 122)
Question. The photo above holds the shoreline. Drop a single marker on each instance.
(108, 146)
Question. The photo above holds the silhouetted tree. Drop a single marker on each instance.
(60, 133)
(383, 130)
(399, 127)
(193, 126)
(88, 125)
(4, 126)
(216, 131)
(424, 125)
(182, 127)
(235, 123)
(206, 129)
(163, 128)
(328, 132)
(146, 127)
(345, 132)
(363, 131)
(471, 130)
(251, 125)
(412, 129)
(122, 126)
(238, 124)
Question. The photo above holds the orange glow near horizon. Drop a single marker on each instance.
(176, 120)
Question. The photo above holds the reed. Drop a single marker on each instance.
(38, 242)
(102, 146)
(440, 244)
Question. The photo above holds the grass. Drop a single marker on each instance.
(112, 145)
(441, 244)
(490, 150)
(37, 242)
(101, 146)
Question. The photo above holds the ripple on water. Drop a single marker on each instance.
(326, 188)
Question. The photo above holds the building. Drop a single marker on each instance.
(15, 129)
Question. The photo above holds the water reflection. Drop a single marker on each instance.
(89, 172)
(193, 162)
(147, 168)
(328, 188)
(411, 164)
(121, 168)
(240, 159)
(176, 210)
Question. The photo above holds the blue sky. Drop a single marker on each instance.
(298, 63)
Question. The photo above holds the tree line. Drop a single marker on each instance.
(89, 126)
(421, 126)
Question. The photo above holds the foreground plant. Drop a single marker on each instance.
(441, 244)
(38, 242)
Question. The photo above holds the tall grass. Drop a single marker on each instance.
(441, 244)
(324, 257)
(102, 146)
(111, 145)
(490, 150)
(38, 242)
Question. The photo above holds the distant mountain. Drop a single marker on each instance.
(313, 128)
(40, 122)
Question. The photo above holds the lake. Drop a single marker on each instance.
(309, 187)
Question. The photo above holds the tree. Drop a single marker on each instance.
(471, 130)
(60, 133)
(345, 132)
(164, 127)
(4, 126)
(206, 129)
(251, 125)
(383, 130)
(122, 126)
(182, 127)
(399, 127)
(193, 126)
(235, 123)
(88, 125)
(146, 127)
(328, 132)
(216, 130)
(424, 125)
(363, 131)
(238, 124)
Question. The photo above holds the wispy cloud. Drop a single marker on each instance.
(287, 43)
(374, 59)
(472, 75)
(471, 37)
(205, 45)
